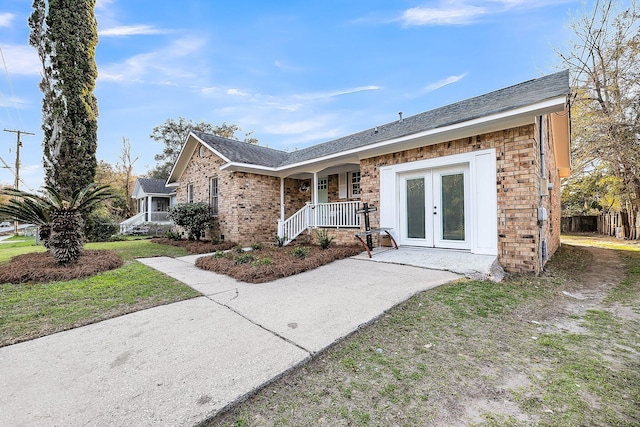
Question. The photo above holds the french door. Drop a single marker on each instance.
(434, 208)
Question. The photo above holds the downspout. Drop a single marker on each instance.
(542, 212)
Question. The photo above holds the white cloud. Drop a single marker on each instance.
(452, 14)
(21, 60)
(6, 19)
(237, 92)
(442, 83)
(331, 94)
(465, 12)
(130, 30)
(163, 66)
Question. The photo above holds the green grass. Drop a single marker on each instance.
(19, 245)
(455, 354)
(32, 310)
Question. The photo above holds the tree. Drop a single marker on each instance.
(59, 218)
(174, 134)
(125, 166)
(604, 62)
(65, 36)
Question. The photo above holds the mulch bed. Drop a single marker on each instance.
(273, 263)
(41, 267)
(195, 246)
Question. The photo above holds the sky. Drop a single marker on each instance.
(295, 73)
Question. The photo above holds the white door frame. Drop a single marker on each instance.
(481, 213)
(433, 219)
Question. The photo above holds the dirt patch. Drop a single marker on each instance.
(271, 263)
(41, 267)
(195, 246)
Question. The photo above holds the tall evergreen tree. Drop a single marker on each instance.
(65, 35)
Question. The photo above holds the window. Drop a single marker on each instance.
(214, 196)
(190, 193)
(354, 184)
(323, 183)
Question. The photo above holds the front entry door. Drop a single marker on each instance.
(434, 208)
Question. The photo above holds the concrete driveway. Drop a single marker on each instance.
(182, 363)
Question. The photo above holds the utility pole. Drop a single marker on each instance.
(17, 182)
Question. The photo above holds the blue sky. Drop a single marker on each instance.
(293, 72)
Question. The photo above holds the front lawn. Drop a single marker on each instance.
(32, 310)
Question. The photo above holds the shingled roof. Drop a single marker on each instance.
(510, 98)
(154, 186)
(242, 152)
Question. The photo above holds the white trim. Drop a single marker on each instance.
(483, 212)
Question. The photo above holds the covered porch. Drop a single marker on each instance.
(332, 201)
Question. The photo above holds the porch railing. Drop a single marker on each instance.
(129, 223)
(158, 217)
(342, 214)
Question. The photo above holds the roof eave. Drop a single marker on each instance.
(186, 152)
(498, 121)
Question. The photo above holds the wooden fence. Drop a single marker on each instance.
(618, 224)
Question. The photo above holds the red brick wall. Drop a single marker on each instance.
(517, 186)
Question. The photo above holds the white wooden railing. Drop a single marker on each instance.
(335, 215)
(156, 217)
(129, 223)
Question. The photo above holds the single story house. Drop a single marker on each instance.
(480, 175)
(153, 200)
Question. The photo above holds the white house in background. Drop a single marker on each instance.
(153, 200)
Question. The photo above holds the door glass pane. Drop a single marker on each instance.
(415, 209)
(453, 207)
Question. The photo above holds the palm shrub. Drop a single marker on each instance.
(60, 221)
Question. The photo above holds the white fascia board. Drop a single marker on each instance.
(181, 162)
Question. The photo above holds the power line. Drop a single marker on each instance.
(13, 96)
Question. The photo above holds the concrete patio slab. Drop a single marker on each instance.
(474, 266)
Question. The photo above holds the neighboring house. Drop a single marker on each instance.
(481, 175)
(153, 199)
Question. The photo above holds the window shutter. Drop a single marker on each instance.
(342, 185)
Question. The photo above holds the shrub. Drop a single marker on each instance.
(172, 235)
(219, 254)
(238, 249)
(100, 226)
(195, 218)
(301, 251)
(244, 259)
(262, 261)
(322, 236)
(280, 240)
(257, 246)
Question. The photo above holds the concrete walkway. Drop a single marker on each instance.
(180, 364)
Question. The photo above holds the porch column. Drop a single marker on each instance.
(315, 189)
(149, 208)
(282, 218)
